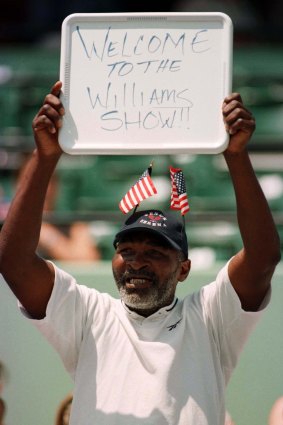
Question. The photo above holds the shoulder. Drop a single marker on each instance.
(209, 291)
(69, 292)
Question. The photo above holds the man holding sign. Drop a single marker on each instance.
(150, 359)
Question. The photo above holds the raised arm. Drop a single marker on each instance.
(252, 268)
(29, 276)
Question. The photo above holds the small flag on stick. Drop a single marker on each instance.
(144, 188)
(179, 199)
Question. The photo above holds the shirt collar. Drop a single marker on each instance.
(163, 311)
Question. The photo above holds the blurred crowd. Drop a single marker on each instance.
(32, 20)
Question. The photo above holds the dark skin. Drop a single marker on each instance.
(32, 278)
(2, 411)
(144, 264)
(252, 268)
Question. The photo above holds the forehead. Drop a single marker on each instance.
(144, 237)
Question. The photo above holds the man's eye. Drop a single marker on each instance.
(126, 253)
(151, 254)
(155, 254)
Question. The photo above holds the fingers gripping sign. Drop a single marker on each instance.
(239, 122)
(49, 116)
(48, 121)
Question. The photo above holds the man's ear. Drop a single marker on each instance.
(185, 270)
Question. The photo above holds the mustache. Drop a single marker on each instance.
(129, 274)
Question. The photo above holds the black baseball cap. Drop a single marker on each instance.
(166, 225)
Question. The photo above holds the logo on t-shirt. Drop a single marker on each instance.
(174, 326)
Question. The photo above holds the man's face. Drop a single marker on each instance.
(146, 272)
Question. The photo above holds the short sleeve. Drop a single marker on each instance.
(230, 324)
(66, 317)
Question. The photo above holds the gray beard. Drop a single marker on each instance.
(152, 299)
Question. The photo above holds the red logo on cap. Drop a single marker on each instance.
(154, 219)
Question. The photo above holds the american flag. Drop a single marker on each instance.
(179, 199)
(144, 188)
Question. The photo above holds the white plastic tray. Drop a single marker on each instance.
(142, 83)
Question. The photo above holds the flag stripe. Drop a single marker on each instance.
(129, 201)
(147, 187)
(179, 199)
(123, 207)
(141, 190)
(153, 188)
(126, 202)
(138, 193)
(133, 196)
(183, 202)
(148, 184)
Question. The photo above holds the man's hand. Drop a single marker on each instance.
(239, 122)
(47, 122)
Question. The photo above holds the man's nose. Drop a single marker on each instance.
(138, 261)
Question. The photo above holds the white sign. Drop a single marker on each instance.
(145, 83)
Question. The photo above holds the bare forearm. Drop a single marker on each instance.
(251, 269)
(258, 231)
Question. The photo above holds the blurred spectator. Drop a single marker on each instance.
(30, 20)
(4, 204)
(2, 402)
(74, 244)
(2, 411)
(228, 419)
(63, 412)
(33, 21)
(242, 13)
(276, 413)
(3, 376)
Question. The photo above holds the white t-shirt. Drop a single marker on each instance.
(168, 369)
